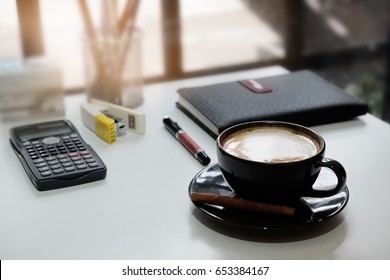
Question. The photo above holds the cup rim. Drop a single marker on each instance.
(307, 130)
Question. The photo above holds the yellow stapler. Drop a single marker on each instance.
(109, 120)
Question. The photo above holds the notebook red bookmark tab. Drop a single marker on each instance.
(255, 86)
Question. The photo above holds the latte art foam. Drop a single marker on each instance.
(271, 144)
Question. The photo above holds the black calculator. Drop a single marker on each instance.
(54, 155)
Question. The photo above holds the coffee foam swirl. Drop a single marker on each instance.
(271, 144)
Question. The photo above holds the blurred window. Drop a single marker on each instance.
(182, 38)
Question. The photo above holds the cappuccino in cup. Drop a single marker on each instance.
(278, 162)
(270, 144)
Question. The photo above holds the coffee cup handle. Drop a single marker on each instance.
(338, 170)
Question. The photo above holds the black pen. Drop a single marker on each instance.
(186, 141)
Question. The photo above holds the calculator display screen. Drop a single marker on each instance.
(43, 130)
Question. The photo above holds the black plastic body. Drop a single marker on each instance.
(26, 145)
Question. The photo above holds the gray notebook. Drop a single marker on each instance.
(300, 97)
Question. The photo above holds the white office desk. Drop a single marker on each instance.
(142, 209)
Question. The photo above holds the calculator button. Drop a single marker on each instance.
(83, 153)
(65, 137)
(44, 155)
(87, 156)
(51, 162)
(39, 160)
(35, 142)
(26, 143)
(81, 166)
(67, 164)
(76, 158)
(46, 173)
(61, 156)
(70, 168)
(45, 168)
(73, 135)
(50, 158)
(78, 162)
(90, 160)
(34, 157)
(93, 164)
(73, 154)
(58, 170)
(51, 140)
(62, 160)
(55, 166)
(42, 164)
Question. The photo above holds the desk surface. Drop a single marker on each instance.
(142, 210)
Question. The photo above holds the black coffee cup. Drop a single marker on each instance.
(276, 162)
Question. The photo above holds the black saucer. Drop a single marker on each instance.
(210, 180)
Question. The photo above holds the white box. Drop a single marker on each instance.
(33, 87)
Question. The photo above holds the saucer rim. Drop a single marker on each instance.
(212, 212)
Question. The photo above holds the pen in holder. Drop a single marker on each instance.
(113, 67)
(113, 54)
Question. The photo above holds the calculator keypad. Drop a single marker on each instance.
(60, 155)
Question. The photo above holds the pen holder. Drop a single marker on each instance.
(113, 68)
